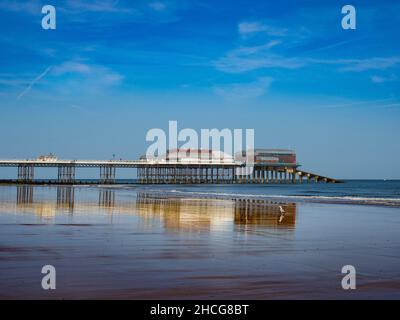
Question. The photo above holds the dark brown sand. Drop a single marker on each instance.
(133, 244)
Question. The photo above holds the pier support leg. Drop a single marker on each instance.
(66, 174)
(25, 173)
(107, 174)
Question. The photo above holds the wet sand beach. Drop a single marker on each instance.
(135, 243)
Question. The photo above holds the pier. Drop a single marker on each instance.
(269, 167)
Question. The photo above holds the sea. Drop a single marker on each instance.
(368, 192)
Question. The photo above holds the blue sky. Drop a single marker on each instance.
(112, 70)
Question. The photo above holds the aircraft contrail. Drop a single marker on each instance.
(29, 87)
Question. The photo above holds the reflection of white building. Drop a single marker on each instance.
(191, 156)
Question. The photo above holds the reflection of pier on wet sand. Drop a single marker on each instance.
(204, 212)
(177, 213)
(65, 201)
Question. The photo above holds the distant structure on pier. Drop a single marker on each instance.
(181, 166)
(48, 157)
(271, 157)
(191, 156)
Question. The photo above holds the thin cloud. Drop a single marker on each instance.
(246, 29)
(33, 7)
(12, 82)
(86, 75)
(243, 91)
(380, 79)
(245, 59)
(29, 7)
(378, 63)
(248, 58)
(79, 10)
(360, 103)
(72, 67)
(96, 72)
(274, 55)
(96, 6)
(333, 45)
(390, 105)
(257, 49)
(157, 6)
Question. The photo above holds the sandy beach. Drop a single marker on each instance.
(124, 243)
